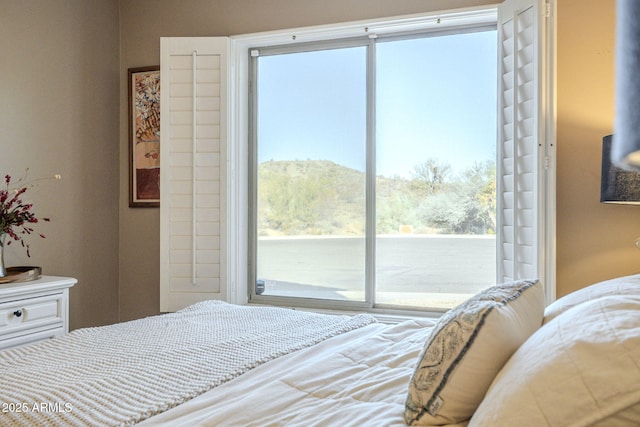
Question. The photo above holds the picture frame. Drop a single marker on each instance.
(144, 136)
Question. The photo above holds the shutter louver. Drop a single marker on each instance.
(193, 141)
(519, 171)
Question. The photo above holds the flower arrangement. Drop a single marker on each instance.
(16, 216)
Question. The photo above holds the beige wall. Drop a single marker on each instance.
(62, 112)
(594, 241)
(59, 106)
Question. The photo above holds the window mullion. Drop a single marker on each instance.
(370, 232)
(252, 191)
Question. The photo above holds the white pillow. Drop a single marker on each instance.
(467, 348)
(629, 285)
(581, 368)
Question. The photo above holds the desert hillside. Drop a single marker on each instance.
(319, 197)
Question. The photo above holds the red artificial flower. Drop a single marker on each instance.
(14, 214)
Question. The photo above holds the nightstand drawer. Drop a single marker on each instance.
(34, 310)
(31, 315)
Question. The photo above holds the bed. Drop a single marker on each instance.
(500, 359)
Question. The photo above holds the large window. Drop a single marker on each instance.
(374, 170)
(367, 165)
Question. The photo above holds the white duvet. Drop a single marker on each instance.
(121, 374)
(359, 378)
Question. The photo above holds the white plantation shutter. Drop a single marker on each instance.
(193, 141)
(523, 143)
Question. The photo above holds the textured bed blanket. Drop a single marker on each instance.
(124, 373)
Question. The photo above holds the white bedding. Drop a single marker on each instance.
(359, 378)
(123, 373)
(581, 367)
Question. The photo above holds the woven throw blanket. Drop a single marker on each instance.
(124, 373)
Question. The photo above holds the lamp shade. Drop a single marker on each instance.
(626, 147)
(617, 185)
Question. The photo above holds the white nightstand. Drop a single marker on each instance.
(34, 311)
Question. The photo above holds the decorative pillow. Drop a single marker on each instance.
(629, 285)
(467, 348)
(582, 368)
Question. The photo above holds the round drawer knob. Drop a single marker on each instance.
(17, 313)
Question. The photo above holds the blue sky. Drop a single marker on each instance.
(436, 98)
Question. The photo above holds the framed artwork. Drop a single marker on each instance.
(144, 136)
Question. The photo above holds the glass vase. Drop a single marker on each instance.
(3, 268)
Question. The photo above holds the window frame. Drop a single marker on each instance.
(238, 153)
(314, 46)
(370, 43)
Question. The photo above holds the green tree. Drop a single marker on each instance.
(395, 210)
(431, 176)
(291, 202)
(481, 186)
(467, 206)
